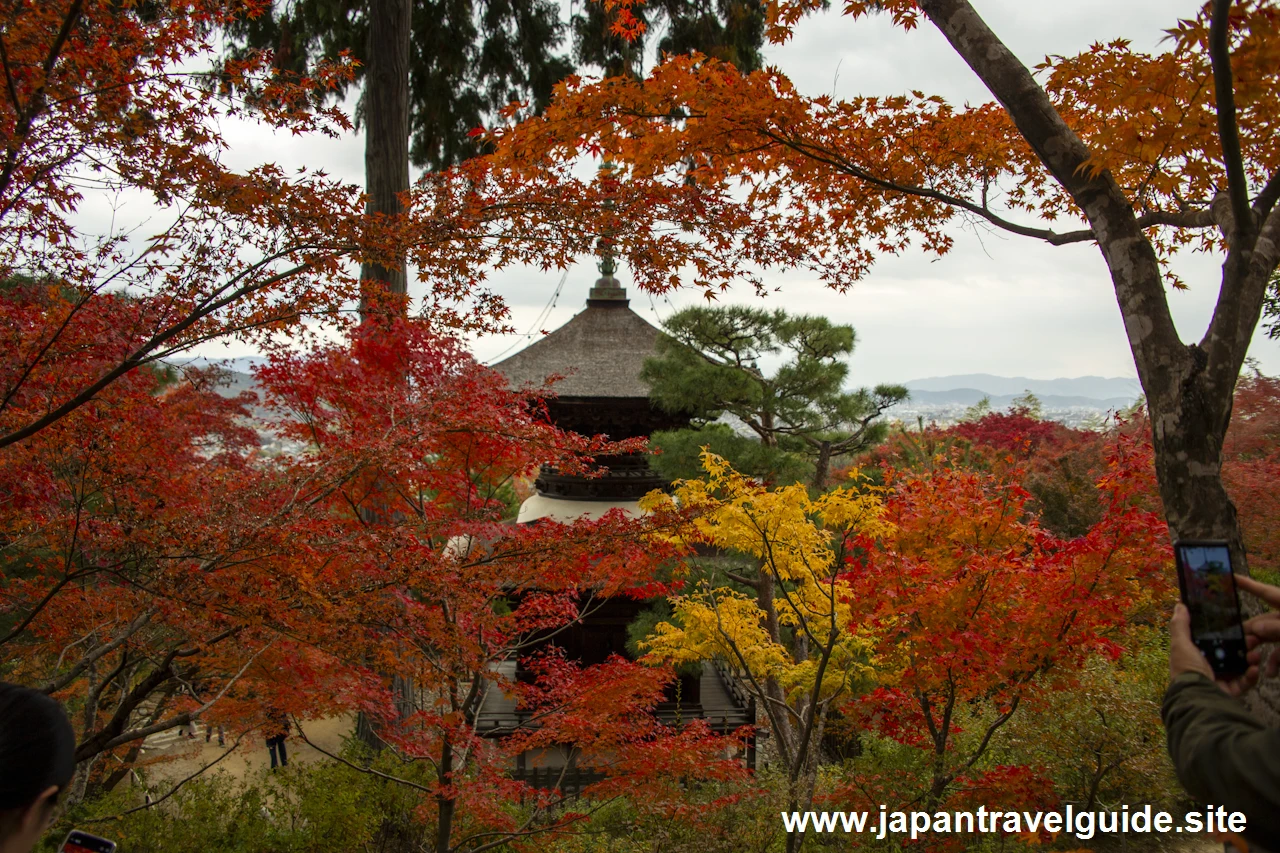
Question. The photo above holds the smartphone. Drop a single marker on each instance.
(83, 842)
(1209, 591)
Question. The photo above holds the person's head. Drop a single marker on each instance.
(37, 759)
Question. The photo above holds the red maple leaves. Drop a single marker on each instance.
(975, 608)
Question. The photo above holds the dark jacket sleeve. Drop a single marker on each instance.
(1223, 755)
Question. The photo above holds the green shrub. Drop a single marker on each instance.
(1101, 738)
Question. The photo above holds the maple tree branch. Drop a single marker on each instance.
(102, 740)
(35, 360)
(173, 790)
(991, 730)
(1199, 218)
(1266, 250)
(59, 682)
(811, 721)
(63, 654)
(144, 354)
(841, 164)
(1240, 302)
(367, 770)
(948, 709)
(771, 561)
(1228, 131)
(1267, 198)
(753, 583)
(94, 698)
(1245, 277)
(1180, 219)
(44, 602)
(8, 74)
(55, 51)
(1140, 192)
(33, 181)
(473, 701)
(27, 115)
(769, 702)
(926, 709)
(524, 831)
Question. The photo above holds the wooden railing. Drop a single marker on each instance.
(730, 679)
(571, 782)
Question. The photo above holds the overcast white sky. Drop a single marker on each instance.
(996, 304)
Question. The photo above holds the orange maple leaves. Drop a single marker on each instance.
(853, 179)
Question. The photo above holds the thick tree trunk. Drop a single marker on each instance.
(1188, 425)
(821, 466)
(386, 169)
(446, 805)
(1189, 421)
(386, 120)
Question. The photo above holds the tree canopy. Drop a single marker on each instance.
(158, 565)
(158, 569)
(123, 97)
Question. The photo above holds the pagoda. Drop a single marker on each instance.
(600, 353)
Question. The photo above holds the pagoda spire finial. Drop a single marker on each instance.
(607, 288)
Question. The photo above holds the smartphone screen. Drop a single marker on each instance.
(1209, 591)
(83, 842)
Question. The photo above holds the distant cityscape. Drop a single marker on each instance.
(1082, 402)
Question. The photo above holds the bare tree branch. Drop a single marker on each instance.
(1135, 269)
(55, 684)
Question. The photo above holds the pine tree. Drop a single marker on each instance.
(708, 364)
(729, 30)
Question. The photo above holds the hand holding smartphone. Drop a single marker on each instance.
(1209, 591)
(83, 842)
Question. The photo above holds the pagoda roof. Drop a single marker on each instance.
(599, 353)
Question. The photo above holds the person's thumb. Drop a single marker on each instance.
(1184, 656)
(1180, 623)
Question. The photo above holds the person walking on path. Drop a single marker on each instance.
(277, 729)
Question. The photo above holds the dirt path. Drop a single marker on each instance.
(184, 757)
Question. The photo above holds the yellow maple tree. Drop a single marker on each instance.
(773, 604)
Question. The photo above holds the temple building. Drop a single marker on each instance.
(599, 353)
